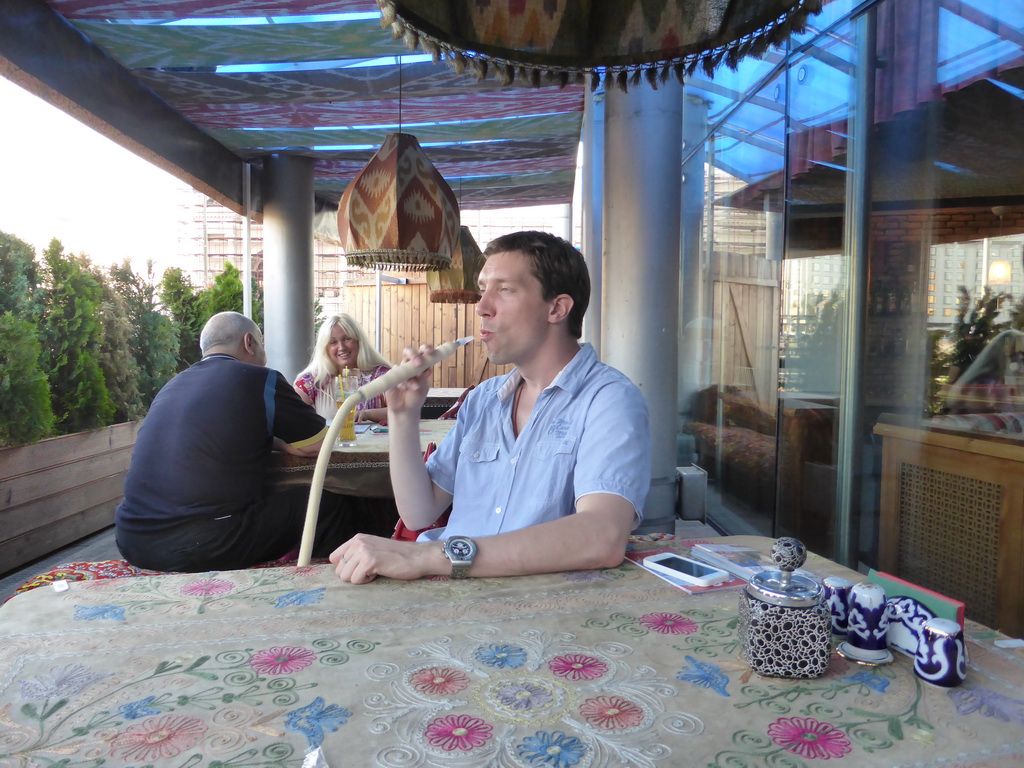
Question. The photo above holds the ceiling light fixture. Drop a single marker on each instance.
(399, 212)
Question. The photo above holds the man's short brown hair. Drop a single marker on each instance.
(558, 266)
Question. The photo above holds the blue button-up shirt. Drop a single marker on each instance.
(588, 433)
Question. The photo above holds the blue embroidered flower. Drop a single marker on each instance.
(988, 703)
(870, 680)
(313, 719)
(705, 675)
(61, 683)
(301, 597)
(93, 612)
(523, 696)
(554, 749)
(138, 709)
(501, 656)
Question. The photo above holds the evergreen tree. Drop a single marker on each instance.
(184, 304)
(25, 412)
(71, 338)
(117, 360)
(225, 295)
(972, 329)
(19, 279)
(257, 302)
(154, 340)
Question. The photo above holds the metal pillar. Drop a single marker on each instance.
(643, 153)
(695, 342)
(853, 432)
(288, 261)
(247, 240)
(562, 223)
(593, 199)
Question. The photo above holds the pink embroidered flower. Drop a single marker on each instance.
(439, 681)
(159, 738)
(281, 660)
(458, 732)
(576, 666)
(611, 713)
(207, 587)
(668, 623)
(809, 738)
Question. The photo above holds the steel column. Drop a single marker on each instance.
(640, 328)
(288, 261)
(593, 197)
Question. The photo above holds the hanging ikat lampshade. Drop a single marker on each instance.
(457, 284)
(399, 212)
(531, 42)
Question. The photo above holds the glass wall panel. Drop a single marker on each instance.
(815, 299)
(732, 416)
(943, 401)
(859, 274)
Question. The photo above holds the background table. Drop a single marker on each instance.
(593, 668)
(444, 395)
(361, 470)
(439, 400)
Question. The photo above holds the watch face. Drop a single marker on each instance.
(460, 549)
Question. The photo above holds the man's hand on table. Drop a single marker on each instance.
(363, 558)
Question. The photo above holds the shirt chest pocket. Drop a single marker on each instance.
(477, 452)
(555, 449)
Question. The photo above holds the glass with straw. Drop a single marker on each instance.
(345, 384)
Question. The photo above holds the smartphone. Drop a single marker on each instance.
(685, 569)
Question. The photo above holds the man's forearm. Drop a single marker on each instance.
(413, 489)
(595, 538)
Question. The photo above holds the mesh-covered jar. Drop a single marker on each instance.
(785, 629)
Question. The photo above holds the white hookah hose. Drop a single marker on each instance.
(372, 389)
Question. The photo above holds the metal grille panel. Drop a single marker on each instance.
(949, 536)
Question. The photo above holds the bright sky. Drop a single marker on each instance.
(62, 179)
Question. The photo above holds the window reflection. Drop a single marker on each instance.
(940, 276)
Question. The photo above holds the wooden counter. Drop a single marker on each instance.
(952, 519)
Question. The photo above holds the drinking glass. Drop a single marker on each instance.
(344, 386)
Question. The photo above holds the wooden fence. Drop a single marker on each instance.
(409, 318)
(746, 329)
(60, 490)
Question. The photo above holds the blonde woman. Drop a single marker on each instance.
(342, 343)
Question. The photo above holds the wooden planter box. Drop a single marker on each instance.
(57, 491)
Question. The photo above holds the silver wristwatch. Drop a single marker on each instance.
(460, 551)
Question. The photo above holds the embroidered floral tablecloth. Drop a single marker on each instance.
(290, 667)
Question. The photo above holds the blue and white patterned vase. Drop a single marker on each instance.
(867, 626)
(941, 653)
(837, 598)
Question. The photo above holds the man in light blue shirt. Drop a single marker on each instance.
(547, 467)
